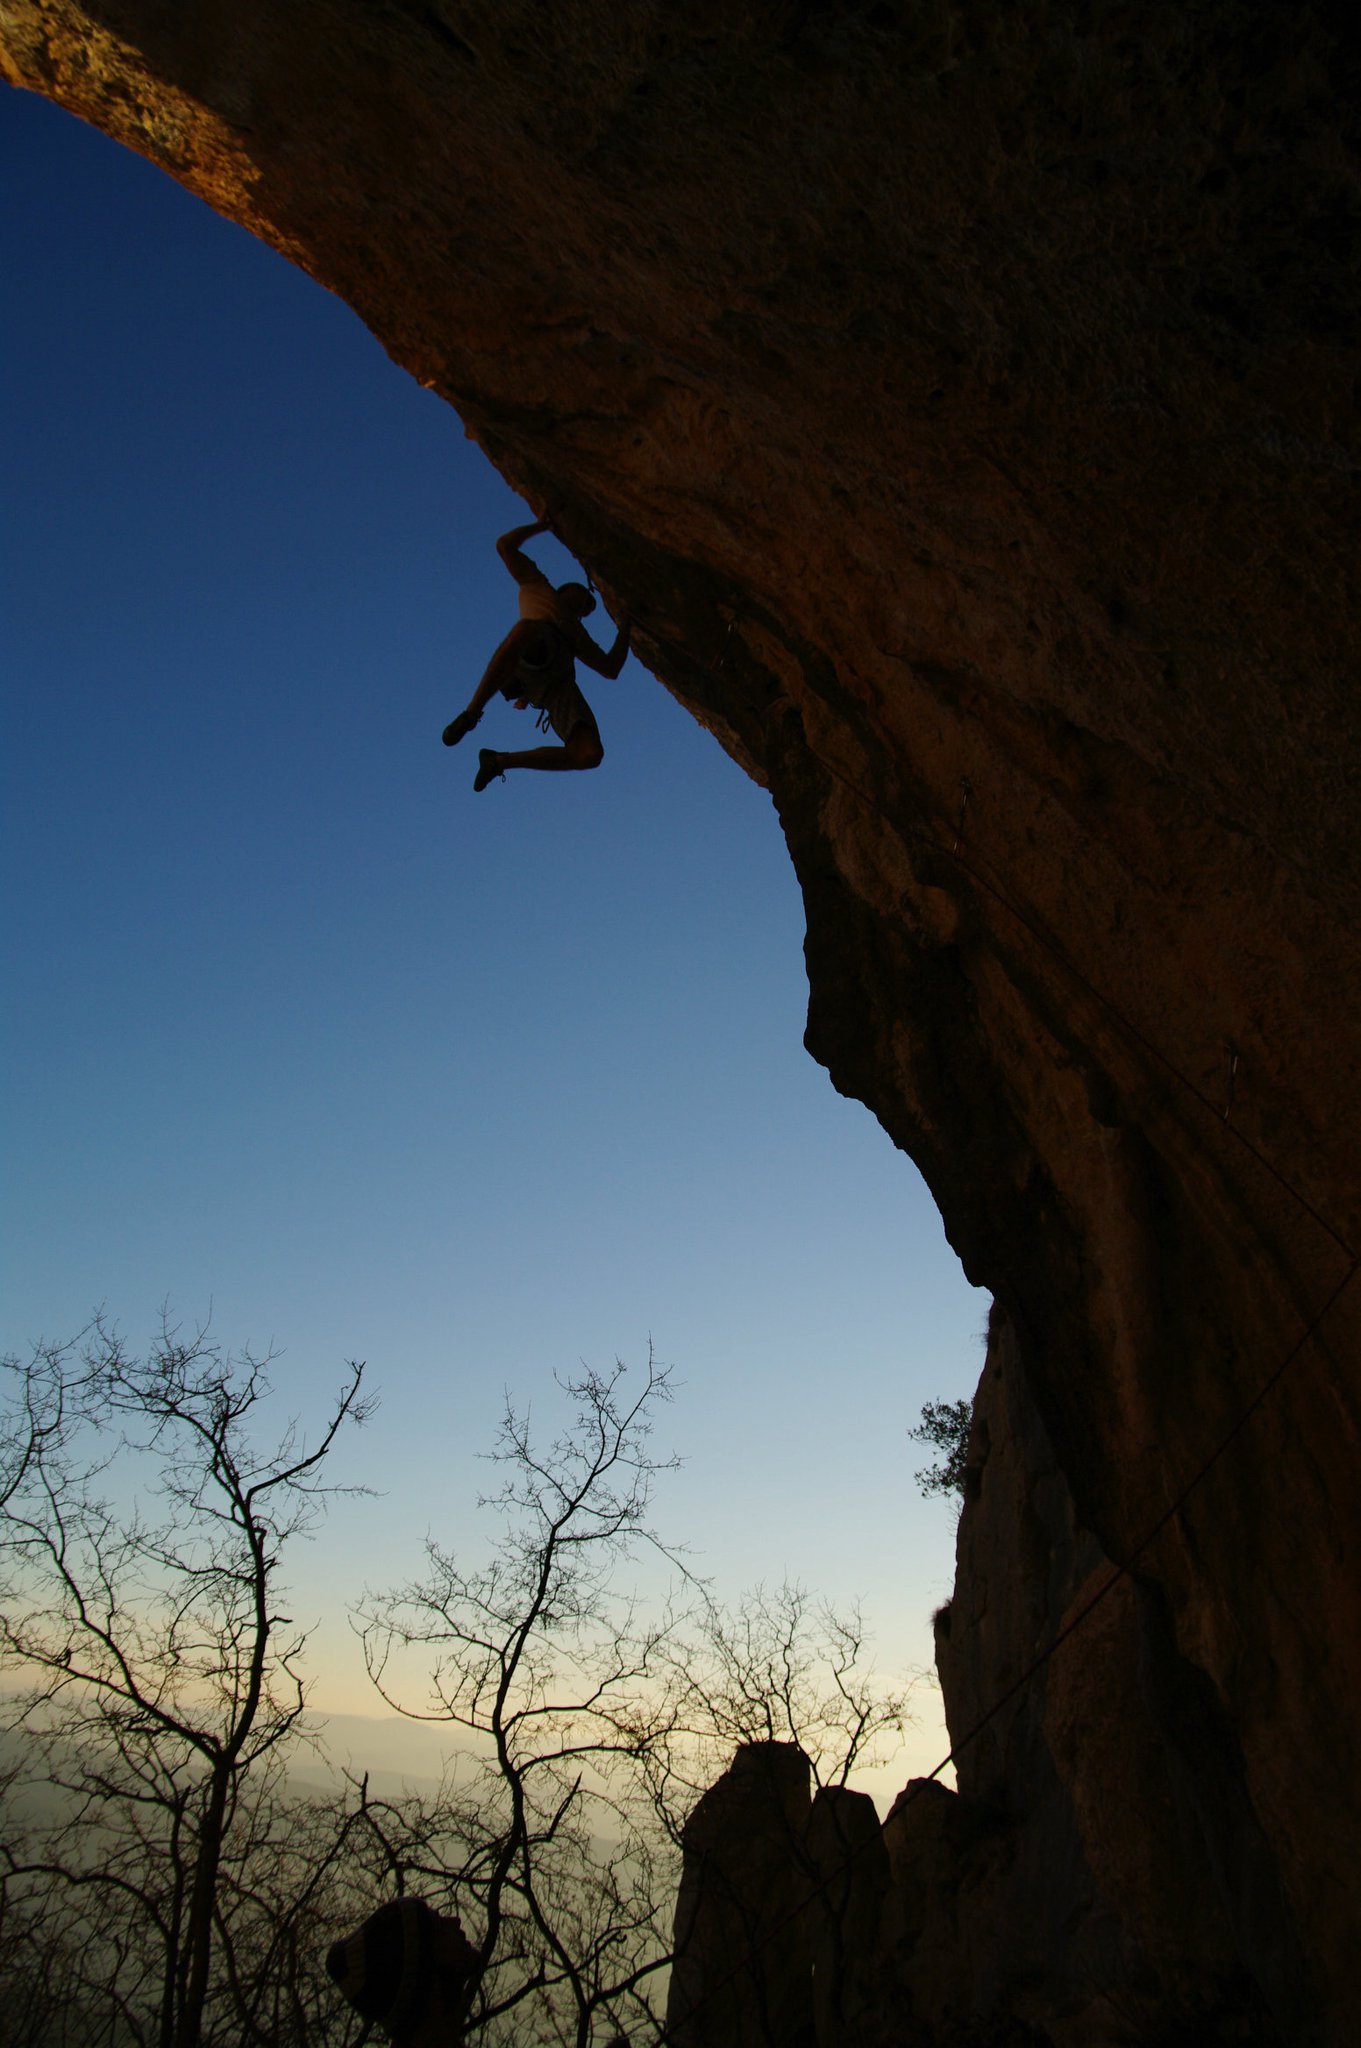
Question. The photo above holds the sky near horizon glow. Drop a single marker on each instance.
(302, 1035)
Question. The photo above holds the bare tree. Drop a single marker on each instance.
(141, 1533)
(592, 1722)
(300, 1870)
(778, 1666)
(181, 1890)
(545, 1664)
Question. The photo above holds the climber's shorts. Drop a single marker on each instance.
(545, 677)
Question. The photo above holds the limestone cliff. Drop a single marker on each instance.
(963, 399)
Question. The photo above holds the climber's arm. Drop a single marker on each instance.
(595, 657)
(508, 548)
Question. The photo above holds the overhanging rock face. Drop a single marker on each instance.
(963, 400)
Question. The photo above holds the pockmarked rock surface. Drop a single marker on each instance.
(963, 399)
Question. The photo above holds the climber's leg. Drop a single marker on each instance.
(581, 749)
(498, 672)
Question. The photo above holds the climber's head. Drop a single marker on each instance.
(577, 598)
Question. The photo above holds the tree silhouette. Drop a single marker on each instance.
(944, 1427)
(141, 1533)
(594, 1718)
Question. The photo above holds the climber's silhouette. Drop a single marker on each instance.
(535, 665)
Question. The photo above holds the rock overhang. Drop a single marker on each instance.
(963, 401)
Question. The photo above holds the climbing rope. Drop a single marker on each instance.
(1125, 1568)
(666, 2038)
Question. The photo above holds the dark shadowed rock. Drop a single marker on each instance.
(848, 1882)
(741, 1976)
(1090, 1809)
(963, 398)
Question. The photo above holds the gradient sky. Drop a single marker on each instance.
(302, 1035)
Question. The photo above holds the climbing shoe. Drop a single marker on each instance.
(459, 728)
(489, 769)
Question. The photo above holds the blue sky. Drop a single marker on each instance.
(301, 1033)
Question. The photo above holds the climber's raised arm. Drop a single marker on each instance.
(508, 548)
(585, 649)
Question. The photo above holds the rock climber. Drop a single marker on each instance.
(535, 666)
